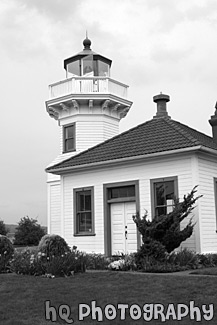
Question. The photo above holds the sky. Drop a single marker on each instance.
(155, 46)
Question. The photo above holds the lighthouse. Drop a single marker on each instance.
(88, 104)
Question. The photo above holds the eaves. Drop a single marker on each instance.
(123, 161)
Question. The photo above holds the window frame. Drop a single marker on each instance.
(87, 233)
(160, 180)
(64, 137)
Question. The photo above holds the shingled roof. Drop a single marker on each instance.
(155, 136)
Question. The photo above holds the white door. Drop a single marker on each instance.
(123, 228)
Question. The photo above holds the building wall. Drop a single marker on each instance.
(90, 131)
(207, 172)
(181, 166)
(54, 208)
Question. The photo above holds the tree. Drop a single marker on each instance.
(3, 229)
(166, 229)
(28, 232)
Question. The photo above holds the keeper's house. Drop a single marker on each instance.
(101, 178)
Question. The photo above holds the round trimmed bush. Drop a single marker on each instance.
(53, 245)
(6, 252)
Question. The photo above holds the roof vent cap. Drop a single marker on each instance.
(161, 101)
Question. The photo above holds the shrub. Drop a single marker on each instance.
(28, 232)
(184, 258)
(3, 229)
(97, 261)
(65, 265)
(150, 250)
(32, 262)
(26, 262)
(53, 245)
(166, 228)
(207, 260)
(6, 252)
(150, 264)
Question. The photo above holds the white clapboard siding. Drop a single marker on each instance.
(54, 208)
(161, 167)
(207, 172)
(90, 131)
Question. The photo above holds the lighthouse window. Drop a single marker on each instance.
(103, 69)
(73, 69)
(69, 138)
(88, 66)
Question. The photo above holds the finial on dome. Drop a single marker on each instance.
(87, 42)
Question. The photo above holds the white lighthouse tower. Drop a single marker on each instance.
(88, 106)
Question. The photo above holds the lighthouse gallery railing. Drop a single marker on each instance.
(84, 85)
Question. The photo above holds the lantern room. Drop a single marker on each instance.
(87, 63)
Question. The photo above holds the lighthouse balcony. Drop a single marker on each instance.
(87, 85)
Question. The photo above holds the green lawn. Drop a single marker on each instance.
(22, 298)
(206, 271)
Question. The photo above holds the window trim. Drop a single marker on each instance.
(158, 180)
(64, 137)
(75, 191)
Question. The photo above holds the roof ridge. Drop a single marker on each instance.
(178, 127)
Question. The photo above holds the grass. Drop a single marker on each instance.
(23, 297)
(206, 271)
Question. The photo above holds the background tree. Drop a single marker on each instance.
(28, 232)
(3, 229)
(166, 229)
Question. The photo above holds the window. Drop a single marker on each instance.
(73, 69)
(121, 192)
(69, 138)
(164, 191)
(84, 217)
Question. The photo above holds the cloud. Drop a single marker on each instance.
(57, 10)
(38, 28)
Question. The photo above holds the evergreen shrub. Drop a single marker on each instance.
(53, 245)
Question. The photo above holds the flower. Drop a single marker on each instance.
(116, 265)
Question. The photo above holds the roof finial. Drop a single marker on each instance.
(87, 42)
